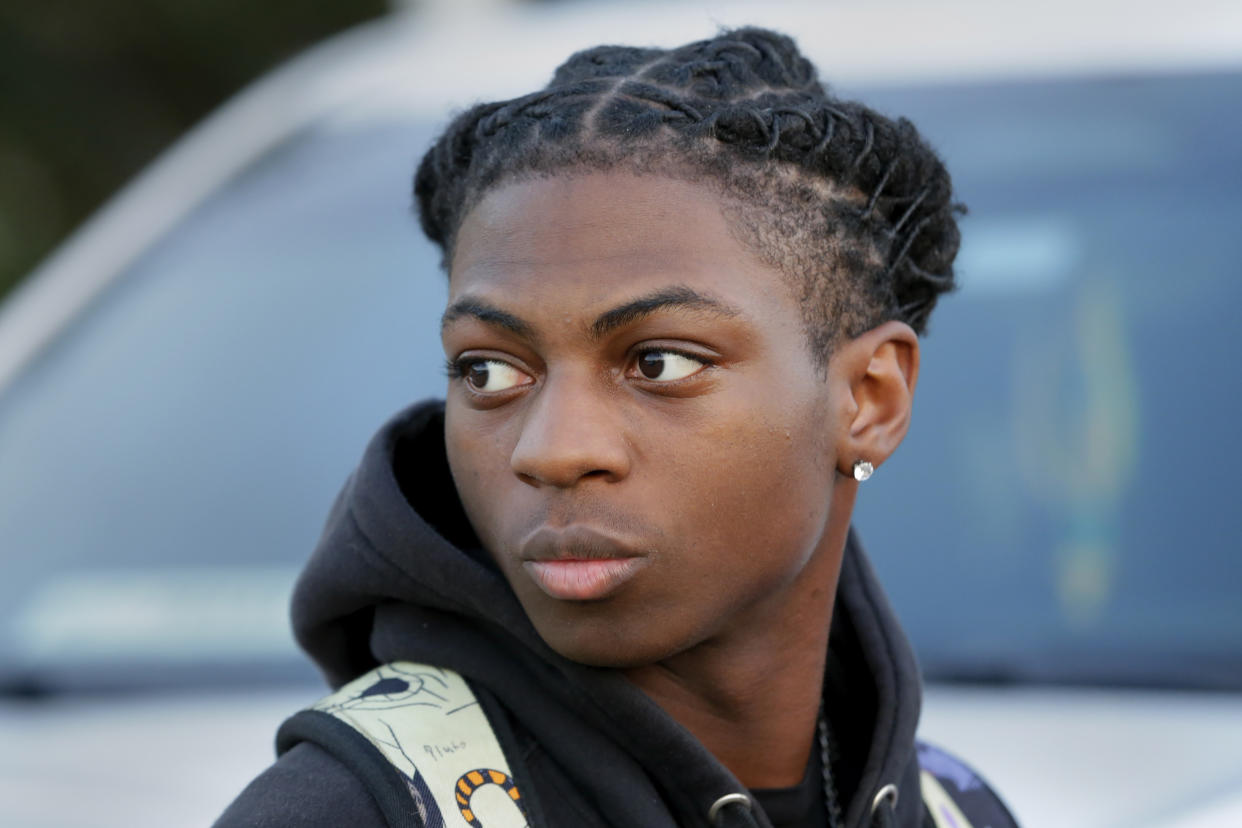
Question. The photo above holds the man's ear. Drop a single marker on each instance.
(880, 369)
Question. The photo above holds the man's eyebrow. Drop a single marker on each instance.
(489, 314)
(678, 297)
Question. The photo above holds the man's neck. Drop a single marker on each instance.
(752, 694)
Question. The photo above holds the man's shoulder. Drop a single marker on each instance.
(306, 786)
(957, 794)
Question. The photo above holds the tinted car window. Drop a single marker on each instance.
(169, 463)
(1062, 507)
(1058, 512)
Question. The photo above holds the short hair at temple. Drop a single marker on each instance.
(854, 209)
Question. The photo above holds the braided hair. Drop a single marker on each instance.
(854, 209)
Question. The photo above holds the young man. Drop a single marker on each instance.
(612, 576)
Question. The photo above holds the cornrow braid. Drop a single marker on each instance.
(853, 208)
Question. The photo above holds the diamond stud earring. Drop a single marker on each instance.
(862, 470)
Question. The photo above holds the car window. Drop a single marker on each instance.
(1059, 511)
(1064, 500)
(168, 464)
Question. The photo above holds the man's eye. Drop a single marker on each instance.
(492, 375)
(667, 366)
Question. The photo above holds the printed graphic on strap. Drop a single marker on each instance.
(475, 779)
(426, 721)
(943, 809)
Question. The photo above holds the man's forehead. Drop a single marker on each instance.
(585, 246)
(584, 219)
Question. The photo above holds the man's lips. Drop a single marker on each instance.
(578, 563)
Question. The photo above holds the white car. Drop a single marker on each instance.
(186, 382)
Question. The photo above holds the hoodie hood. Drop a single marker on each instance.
(399, 575)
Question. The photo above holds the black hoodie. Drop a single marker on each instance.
(398, 575)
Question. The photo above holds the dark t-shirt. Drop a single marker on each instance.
(801, 806)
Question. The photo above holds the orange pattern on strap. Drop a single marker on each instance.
(471, 781)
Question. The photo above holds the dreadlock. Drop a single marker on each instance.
(853, 208)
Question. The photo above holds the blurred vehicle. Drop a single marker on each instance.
(187, 382)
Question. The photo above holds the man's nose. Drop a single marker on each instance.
(571, 431)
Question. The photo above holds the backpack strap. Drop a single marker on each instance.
(957, 797)
(944, 811)
(429, 750)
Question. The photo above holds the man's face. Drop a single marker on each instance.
(636, 428)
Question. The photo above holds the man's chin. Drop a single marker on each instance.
(605, 645)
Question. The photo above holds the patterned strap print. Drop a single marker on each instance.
(943, 809)
(471, 781)
(429, 725)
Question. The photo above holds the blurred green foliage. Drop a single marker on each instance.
(91, 90)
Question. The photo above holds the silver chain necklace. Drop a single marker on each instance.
(831, 804)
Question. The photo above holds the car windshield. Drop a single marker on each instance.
(168, 463)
